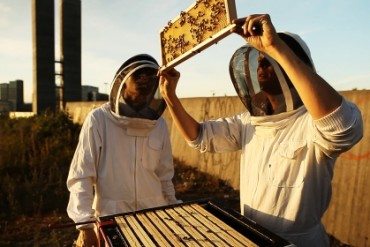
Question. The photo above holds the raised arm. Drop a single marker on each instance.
(187, 125)
(317, 95)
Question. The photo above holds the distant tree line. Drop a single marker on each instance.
(35, 154)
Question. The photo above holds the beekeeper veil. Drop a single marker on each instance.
(260, 82)
(134, 90)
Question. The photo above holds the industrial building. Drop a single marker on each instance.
(46, 95)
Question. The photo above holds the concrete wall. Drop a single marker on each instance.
(348, 217)
(70, 44)
(43, 95)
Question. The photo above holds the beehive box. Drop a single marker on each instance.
(186, 224)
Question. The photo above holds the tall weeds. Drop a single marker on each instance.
(34, 160)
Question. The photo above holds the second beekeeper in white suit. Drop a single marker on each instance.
(123, 161)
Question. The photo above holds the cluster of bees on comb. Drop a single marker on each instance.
(200, 22)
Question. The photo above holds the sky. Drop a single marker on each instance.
(337, 32)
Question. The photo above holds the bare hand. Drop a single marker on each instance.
(87, 238)
(258, 31)
(168, 83)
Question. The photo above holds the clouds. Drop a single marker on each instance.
(98, 70)
(360, 81)
(114, 30)
(15, 39)
(18, 49)
(15, 43)
(4, 11)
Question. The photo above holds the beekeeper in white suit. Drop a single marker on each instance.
(123, 161)
(295, 127)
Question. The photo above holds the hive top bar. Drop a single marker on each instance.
(202, 223)
(204, 23)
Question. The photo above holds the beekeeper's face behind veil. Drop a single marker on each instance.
(134, 92)
(260, 82)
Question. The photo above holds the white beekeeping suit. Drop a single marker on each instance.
(288, 157)
(123, 161)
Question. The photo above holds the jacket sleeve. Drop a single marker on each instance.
(340, 130)
(221, 135)
(82, 173)
(166, 168)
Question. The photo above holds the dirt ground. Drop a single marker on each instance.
(190, 184)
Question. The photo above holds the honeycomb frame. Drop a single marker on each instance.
(201, 25)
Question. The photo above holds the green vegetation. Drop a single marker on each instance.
(35, 154)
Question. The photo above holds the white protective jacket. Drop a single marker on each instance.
(120, 165)
(286, 165)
